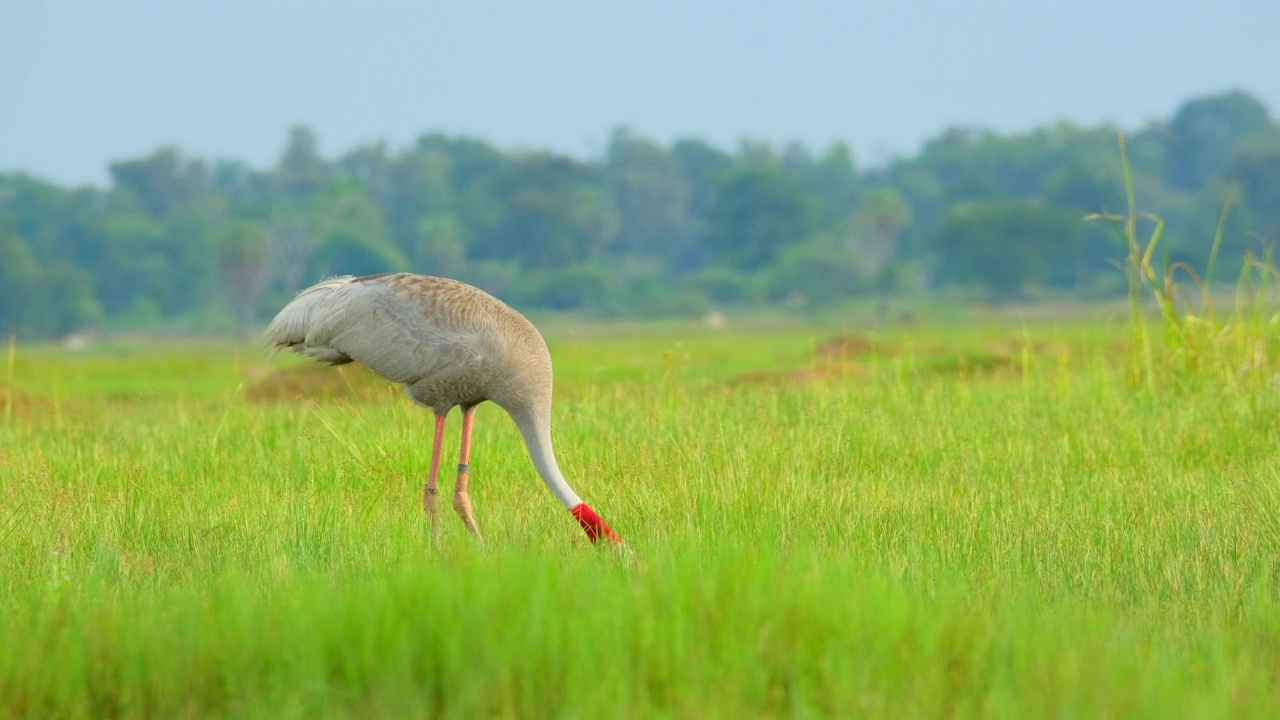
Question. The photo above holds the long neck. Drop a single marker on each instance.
(536, 429)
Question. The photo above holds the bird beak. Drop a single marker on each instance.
(593, 526)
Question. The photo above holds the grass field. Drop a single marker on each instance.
(930, 522)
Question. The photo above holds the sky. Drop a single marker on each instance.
(83, 84)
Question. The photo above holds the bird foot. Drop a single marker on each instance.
(462, 504)
(429, 495)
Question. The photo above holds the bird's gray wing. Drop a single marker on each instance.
(398, 333)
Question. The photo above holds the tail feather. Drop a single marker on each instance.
(289, 328)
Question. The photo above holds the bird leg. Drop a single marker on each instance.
(461, 501)
(430, 491)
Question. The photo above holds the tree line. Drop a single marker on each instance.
(643, 230)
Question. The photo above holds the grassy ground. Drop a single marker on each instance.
(934, 522)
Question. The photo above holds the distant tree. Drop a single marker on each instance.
(133, 261)
(702, 167)
(346, 254)
(1089, 183)
(877, 226)
(306, 204)
(961, 158)
(171, 258)
(1204, 134)
(243, 250)
(1258, 174)
(726, 286)
(19, 276)
(162, 182)
(580, 286)
(353, 239)
(420, 188)
(969, 165)
(757, 211)
(40, 300)
(439, 248)
(552, 214)
(1194, 218)
(648, 189)
(832, 181)
(301, 171)
(245, 192)
(1005, 245)
(927, 199)
(370, 167)
(298, 229)
(818, 272)
(54, 222)
(294, 237)
(443, 176)
(473, 168)
(63, 301)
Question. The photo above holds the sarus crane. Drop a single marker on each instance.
(450, 344)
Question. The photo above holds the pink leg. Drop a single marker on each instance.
(430, 491)
(461, 501)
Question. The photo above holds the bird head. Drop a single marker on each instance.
(593, 525)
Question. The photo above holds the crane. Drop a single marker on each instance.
(450, 344)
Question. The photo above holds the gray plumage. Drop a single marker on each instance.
(449, 343)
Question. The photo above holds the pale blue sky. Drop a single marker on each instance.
(85, 83)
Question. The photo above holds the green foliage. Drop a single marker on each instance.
(242, 257)
(725, 286)
(876, 228)
(1257, 173)
(573, 287)
(819, 272)
(164, 183)
(18, 280)
(134, 262)
(672, 229)
(1204, 132)
(551, 214)
(439, 247)
(758, 210)
(301, 171)
(38, 299)
(831, 180)
(1006, 245)
(650, 195)
(354, 241)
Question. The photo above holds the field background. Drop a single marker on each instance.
(1042, 517)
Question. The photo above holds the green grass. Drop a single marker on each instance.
(976, 521)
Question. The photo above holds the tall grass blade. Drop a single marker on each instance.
(8, 385)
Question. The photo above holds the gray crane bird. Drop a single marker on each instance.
(449, 344)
